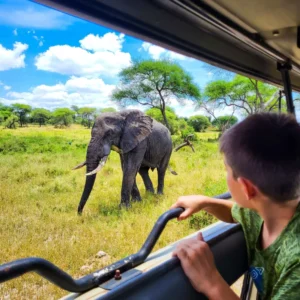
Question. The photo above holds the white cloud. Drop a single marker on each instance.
(33, 16)
(79, 91)
(15, 32)
(157, 52)
(104, 59)
(7, 87)
(108, 42)
(12, 59)
(41, 43)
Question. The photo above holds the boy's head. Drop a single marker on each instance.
(264, 151)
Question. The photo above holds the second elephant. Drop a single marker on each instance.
(142, 142)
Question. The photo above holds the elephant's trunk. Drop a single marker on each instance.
(95, 160)
(89, 183)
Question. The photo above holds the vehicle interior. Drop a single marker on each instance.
(258, 39)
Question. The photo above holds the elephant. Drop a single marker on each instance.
(142, 143)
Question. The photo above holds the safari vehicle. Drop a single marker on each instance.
(259, 39)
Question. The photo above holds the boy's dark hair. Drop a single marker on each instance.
(265, 148)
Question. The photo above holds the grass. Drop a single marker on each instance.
(39, 195)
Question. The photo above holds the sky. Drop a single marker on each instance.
(49, 59)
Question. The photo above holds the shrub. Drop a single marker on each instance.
(199, 123)
(224, 122)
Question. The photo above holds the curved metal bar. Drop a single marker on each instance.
(155, 234)
(47, 270)
(224, 196)
(60, 278)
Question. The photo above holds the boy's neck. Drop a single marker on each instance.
(276, 217)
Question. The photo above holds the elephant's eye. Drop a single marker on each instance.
(109, 121)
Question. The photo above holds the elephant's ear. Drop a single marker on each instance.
(137, 127)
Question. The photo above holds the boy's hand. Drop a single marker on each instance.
(191, 204)
(198, 264)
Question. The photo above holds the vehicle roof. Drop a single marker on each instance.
(247, 37)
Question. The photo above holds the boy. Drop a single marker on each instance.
(262, 159)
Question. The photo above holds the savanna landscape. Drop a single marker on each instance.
(40, 194)
(48, 104)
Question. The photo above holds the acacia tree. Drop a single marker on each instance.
(21, 110)
(88, 115)
(154, 83)
(41, 115)
(62, 117)
(247, 95)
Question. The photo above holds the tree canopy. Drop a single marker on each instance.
(88, 115)
(62, 117)
(245, 94)
(41, 115)
(21, 110)
(154, 83)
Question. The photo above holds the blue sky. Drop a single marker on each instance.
(50, 59)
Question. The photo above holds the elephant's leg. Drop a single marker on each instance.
(161, 171)
(131, 164)
(147, 181)
(161, 178)
(135, 193)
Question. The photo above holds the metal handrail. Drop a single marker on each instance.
(60, 278)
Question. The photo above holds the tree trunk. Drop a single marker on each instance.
(163, 111)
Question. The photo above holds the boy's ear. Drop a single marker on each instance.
(248, 188)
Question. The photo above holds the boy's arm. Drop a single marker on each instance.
(198, 264)
(221, 209)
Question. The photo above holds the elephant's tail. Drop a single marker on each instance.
(172, 171)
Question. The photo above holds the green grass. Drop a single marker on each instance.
(39, 195)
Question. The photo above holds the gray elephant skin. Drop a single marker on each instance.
(142, 143)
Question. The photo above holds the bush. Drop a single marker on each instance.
(224, 122)
(199, 123)
(172, 118)
(11, 122)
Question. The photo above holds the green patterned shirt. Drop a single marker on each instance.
(276, 269)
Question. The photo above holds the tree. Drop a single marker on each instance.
(5, 112)
(11, 121)
(21, 110)
(199, 123)
(245, 94)
(41, 115)
(224, 122)
(154, 83)
(62, 117)
(76, 109)
(88, 115)
(107, 109)
(155, 113)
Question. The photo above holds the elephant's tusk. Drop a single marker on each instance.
(80, 166)
(100, 166)
(115, 148)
